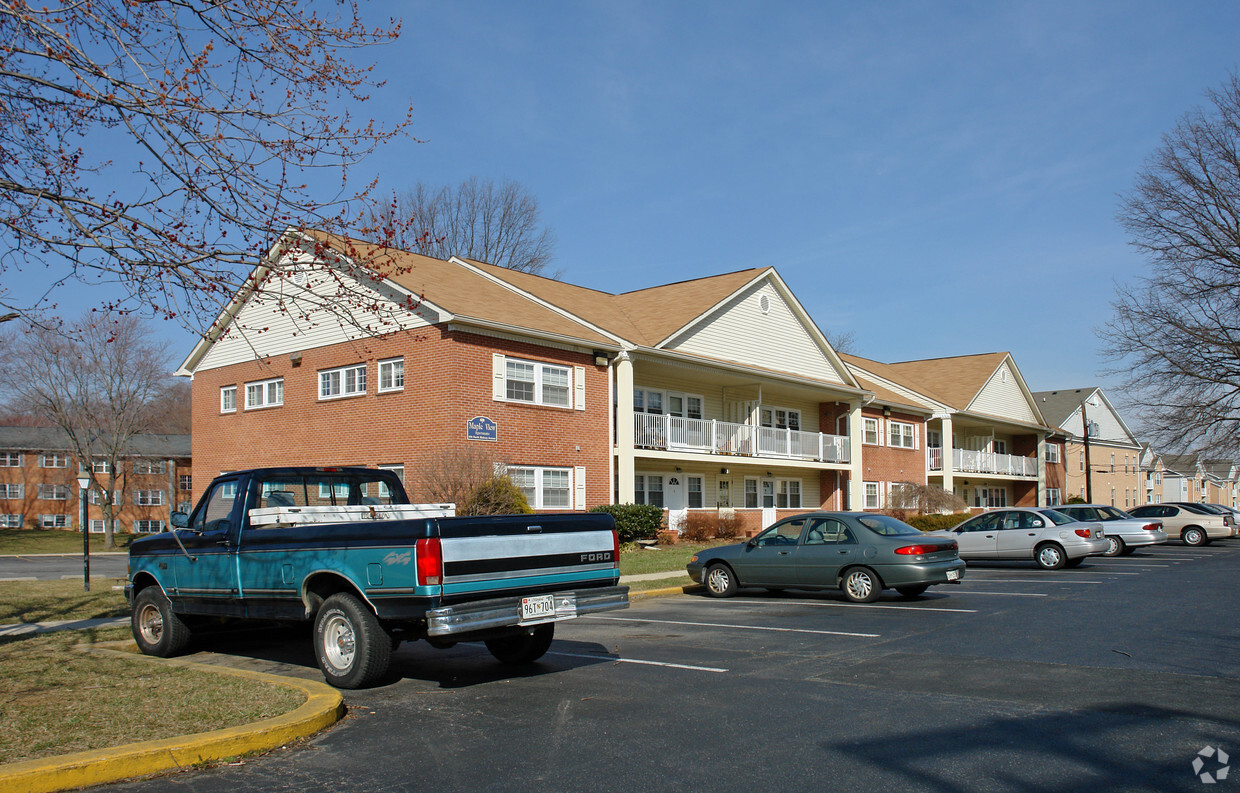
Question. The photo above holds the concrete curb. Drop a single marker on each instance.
(323, 707)
(671, 590)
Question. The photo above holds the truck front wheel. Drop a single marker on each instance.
(156, 628)
(522, 648)
(351, 646)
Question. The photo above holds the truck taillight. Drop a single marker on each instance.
(430, 562)
(615, 546)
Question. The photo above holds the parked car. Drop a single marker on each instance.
(859, 552)
(1210, 509)
(1050, 538)
(1123, 531)
(1192, 525)
(1235, 517)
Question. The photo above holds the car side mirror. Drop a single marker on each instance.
(179, 520)
(1037, 524)
(752, 542)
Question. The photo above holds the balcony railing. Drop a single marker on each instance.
(709, 436)
(971, 462)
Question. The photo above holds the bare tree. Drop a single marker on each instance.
(169, 409)
(496, 224)
(844, 341)
(926, 499)
(1175, 333)
(95, 379)
(218, 115)
(453, 473)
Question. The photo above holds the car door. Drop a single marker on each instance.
(206, 578)
(978, 537)
(1018, 533)
(826, 546)
(769, 559)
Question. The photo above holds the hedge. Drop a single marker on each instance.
(634, 521)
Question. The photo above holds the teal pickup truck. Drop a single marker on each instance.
(343, 548)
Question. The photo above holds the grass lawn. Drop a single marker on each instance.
(667, 557)
(38, 601)
(55, 700)
(19, 541)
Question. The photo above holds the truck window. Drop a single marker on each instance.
(216, 508)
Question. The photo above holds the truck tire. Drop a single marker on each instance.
(522, 648)
(156, 628)
(351, 646)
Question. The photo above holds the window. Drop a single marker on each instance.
(10, 521)
(399, 470)
(871, 495)
(1112, 496)
(550, 488)
(12, 490)
(101, 466)
(96, 526)
(53, 461)
(11, 460)
(537, 383)
(343, 382)
(148, 526)
(264, 394)
(901, 435)
(1126, 501)
(332, 492)
(1082, 461)
(788, 493)
(1052, 452)
(184, 506)
(392, 375)
(647, 490)
(869, 431)
(95, 497)
(148, 498)
(228, 399)
(694, 491)
(781, 418)
(723, 493)
(148, 467)
(54, 492)
(990, 497)
(185, 482)
(1054, 497)
(54, 521)
(751, 494)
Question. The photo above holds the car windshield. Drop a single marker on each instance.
(1058, 518)
(882, 524)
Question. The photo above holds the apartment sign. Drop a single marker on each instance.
(481, 428)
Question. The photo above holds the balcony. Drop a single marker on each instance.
(971, 462)
(708, 436)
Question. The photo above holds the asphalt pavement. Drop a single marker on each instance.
(46, 566)
(1115, 676)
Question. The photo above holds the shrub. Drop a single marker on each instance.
(937, 522)
(700, 527)
(634, 521)
(496, 496)
(729, 526)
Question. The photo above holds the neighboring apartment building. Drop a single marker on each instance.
(38, 482)
(1110, 469)
(1152, 472)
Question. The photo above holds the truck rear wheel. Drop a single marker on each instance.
(523, 648)
(156, 628)
(351, 646)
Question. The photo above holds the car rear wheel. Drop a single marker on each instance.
(523, 648)
(912, 591)
(1193, 535)
(1115, 547)
(720, 581)
(1050, 556)
(351, 646)
(861, 585)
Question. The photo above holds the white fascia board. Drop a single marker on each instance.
(535, 299)
(655, 353)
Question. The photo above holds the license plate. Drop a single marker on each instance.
(953, 575)
(538, 607)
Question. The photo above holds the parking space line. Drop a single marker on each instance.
(1026, 581)
(1007, 594)
(1136, 564)
(638, 661)
(852, 605)
(736, 627)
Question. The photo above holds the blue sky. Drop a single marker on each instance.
(939, 178)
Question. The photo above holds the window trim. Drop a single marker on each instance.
(58, 521)
(911, 437)
(21, 491)
(7, 460)
(539, 471)
(264, 388)
(153, 498)
(1052, 452)
(55, 457)
(390, 363)
(53, 488)
(878, 431)
(538, 397)
(359, 382)
(225, 392)
(866, 495)
(7, 522)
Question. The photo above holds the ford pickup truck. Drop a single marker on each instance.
(342, 548)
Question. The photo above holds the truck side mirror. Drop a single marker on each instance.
(179, 520)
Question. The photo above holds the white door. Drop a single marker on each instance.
(674, 492)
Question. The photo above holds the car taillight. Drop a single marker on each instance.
(1083, 533)
(430, 562)
(918, 550)
(1152, 526)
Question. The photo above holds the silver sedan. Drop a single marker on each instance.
(1050, 538)
(1123, 531)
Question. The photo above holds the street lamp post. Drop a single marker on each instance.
(83, 482)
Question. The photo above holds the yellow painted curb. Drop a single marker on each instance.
(323, 707)
(671, 590)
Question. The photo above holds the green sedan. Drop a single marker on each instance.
(861, 553)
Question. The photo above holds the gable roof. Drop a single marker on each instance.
(53, 439)
(1058, 408)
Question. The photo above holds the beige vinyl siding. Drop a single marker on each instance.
(810, 484)
(739, 331)
(262, 330)
(1002, 396)
(712, 398)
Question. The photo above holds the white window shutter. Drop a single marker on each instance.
(579, 484)
(498, 372)
(579, 387)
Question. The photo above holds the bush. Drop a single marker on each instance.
(729, 527)
(937, 522)
(634, 521)
(496, 496)
(700, 527)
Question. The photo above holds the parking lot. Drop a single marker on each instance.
(1111, 676)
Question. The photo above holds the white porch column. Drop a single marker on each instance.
(949, 460)
(856, 465)
(624, 428)
(1042, 500)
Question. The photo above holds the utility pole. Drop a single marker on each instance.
(1089, 473)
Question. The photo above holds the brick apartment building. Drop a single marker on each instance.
(38, 482)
